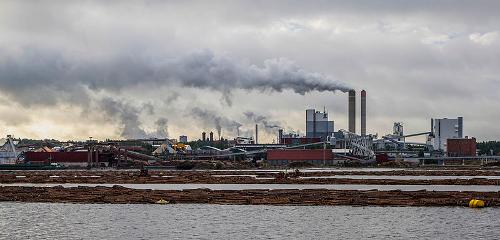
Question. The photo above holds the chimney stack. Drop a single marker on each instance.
(256, 134)
(211, 136)
(280, 136)
(363, 113)
(352, 111)
(203, 136)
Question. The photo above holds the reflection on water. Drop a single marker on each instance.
(476, 188)
(179, 221)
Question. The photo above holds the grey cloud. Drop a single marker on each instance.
(171, 97)
(417, 59)
(148, 108)
(15, 118)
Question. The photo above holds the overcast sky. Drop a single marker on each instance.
(125, 69)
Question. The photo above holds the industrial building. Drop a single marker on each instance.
(398, 131)
(299, 140)
(69, 159)
(461, 147)
(244, 140)
(321, 145)
(283, 157)
(295, 139)
(318, 125)
(8, 154)
(444, 129)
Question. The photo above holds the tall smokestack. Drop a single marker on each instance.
(280, 136)
(352, 111)
(203, 136)
(363, 113)
(211, 136)
(256, 134)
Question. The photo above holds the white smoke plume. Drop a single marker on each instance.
(212, 119)
(128, 118)
(51, 71)
(269, 126)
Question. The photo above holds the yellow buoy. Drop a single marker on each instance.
(162, 201)
(476, 203)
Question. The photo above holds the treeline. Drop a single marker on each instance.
(485, 148)
(220, 144)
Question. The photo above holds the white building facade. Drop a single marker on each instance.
(444, 129)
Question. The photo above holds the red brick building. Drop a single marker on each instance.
(67, 159)
(283, 157)
(461, 147)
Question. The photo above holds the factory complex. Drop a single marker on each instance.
(324, 144)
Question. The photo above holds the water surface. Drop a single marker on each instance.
(185, 221)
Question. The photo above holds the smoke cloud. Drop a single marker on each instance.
(42, 76)
(161, 128)
(269, 126)
(212, 119)
(128, 119)
(72, 76)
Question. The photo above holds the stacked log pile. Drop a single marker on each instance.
(122, 195)
(417, 172)
(475, 173)
(127, 177)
